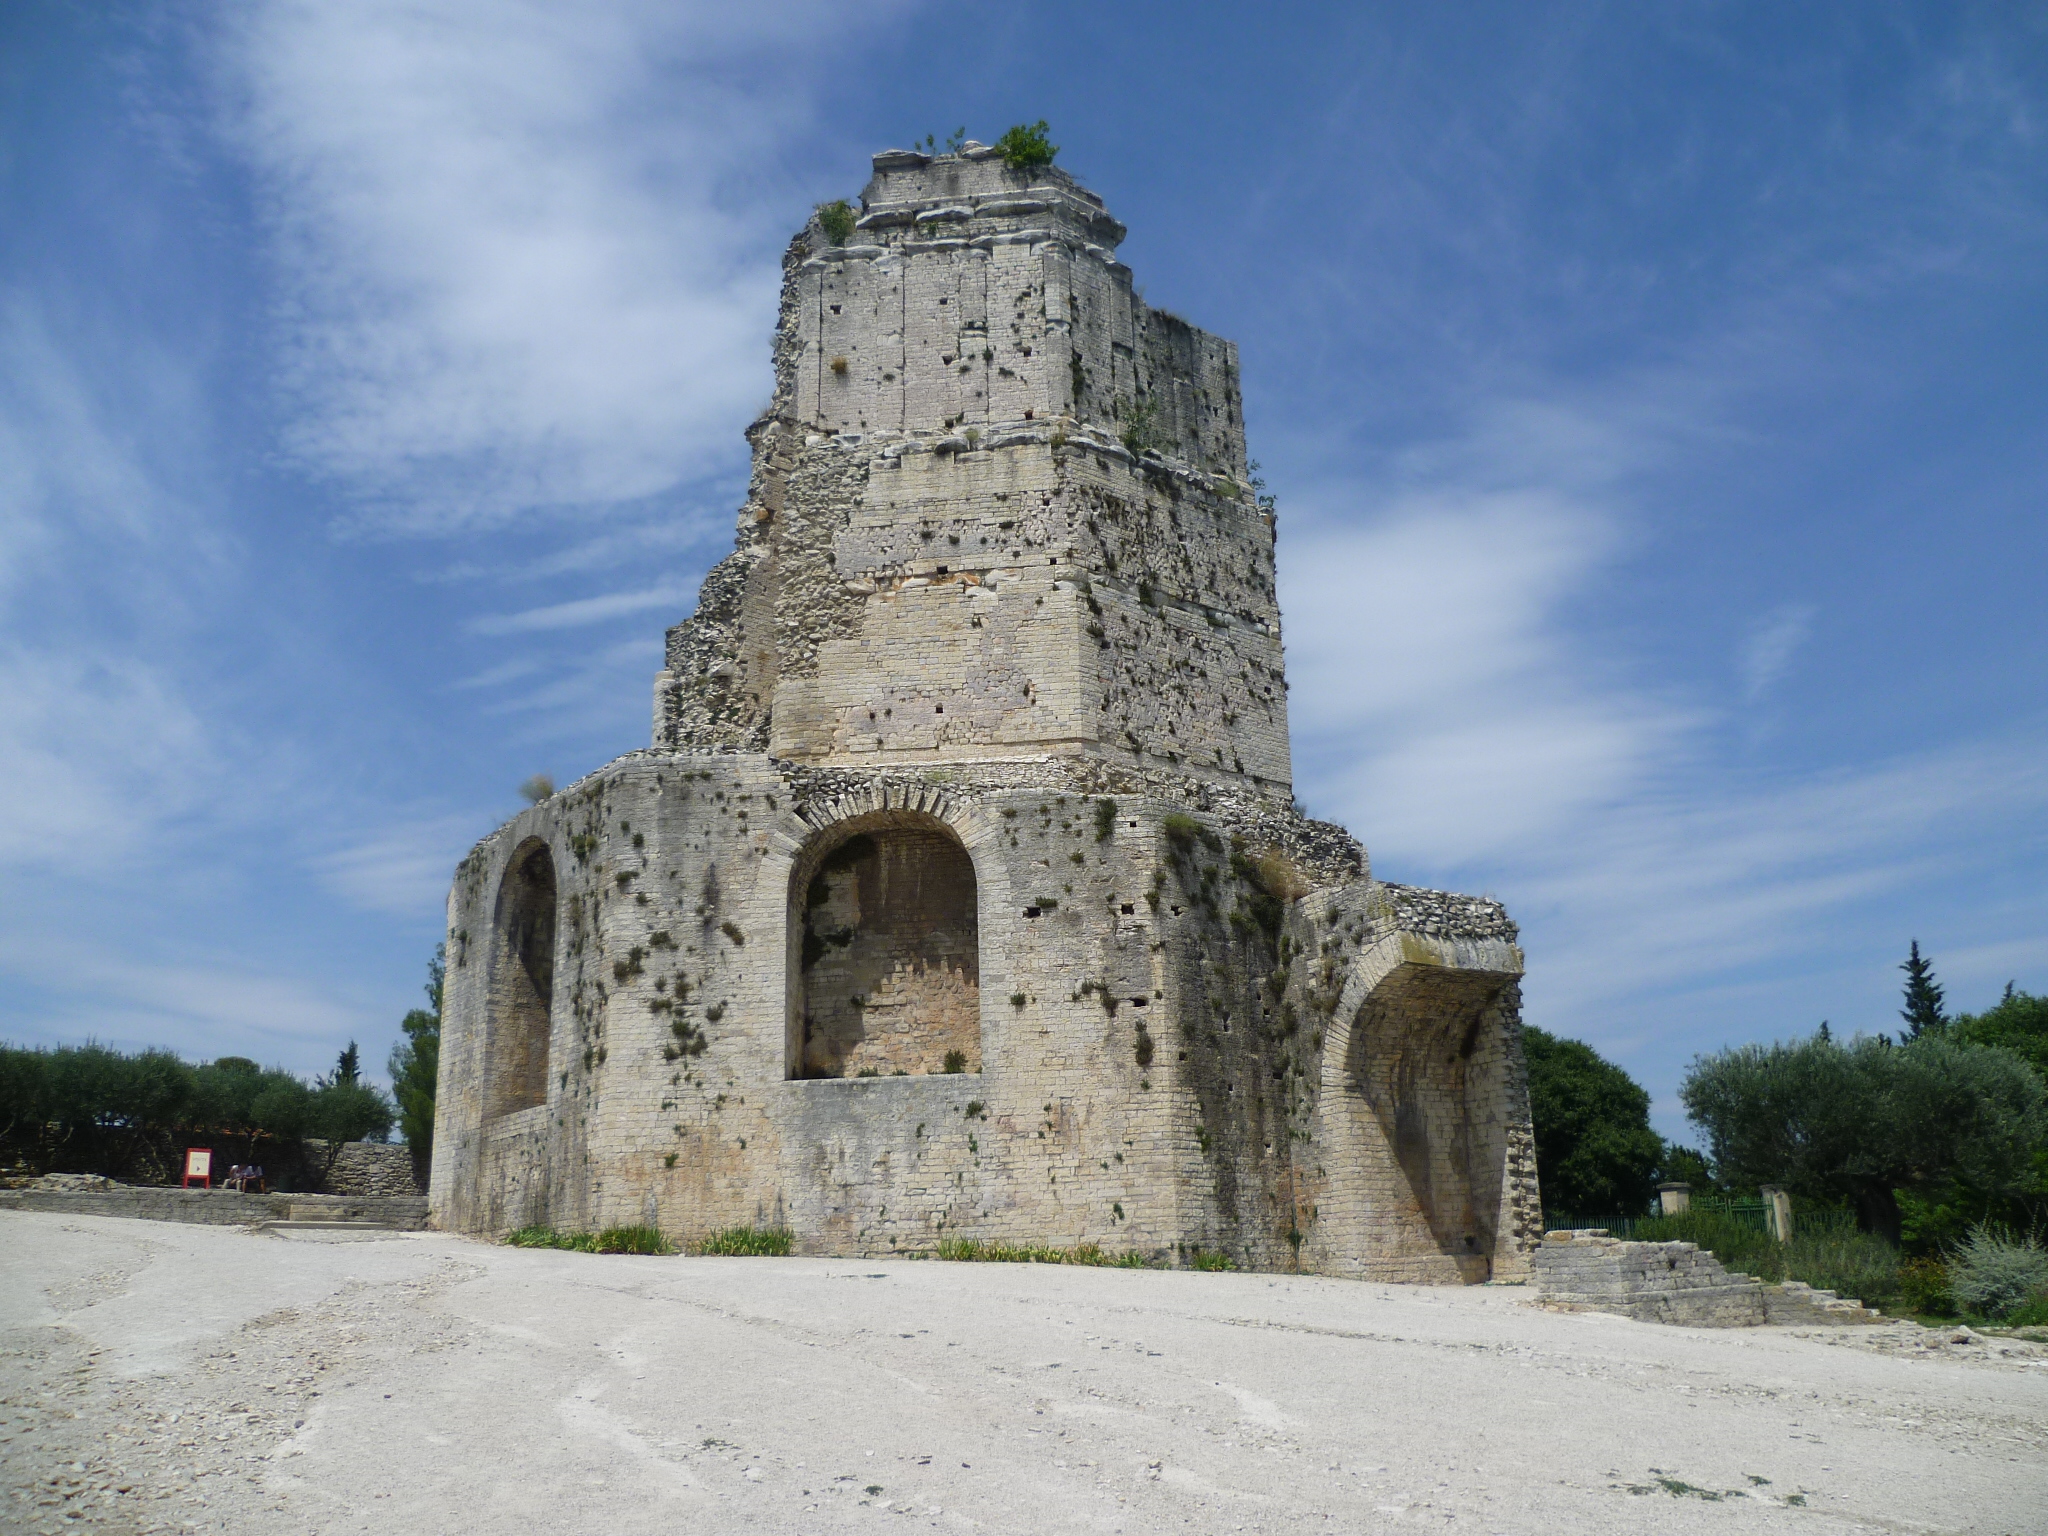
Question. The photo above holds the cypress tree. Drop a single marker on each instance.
(1922, 1012)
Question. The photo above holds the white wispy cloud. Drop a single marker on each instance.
(199, 1009)
(402, 869)
(1771, 645)
(101, 556)
(1452, 706)
(527, 253)
(582, 611)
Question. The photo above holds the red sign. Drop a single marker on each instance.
(198, 1165)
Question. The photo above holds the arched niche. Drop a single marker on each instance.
(522, 986)
(1424, 1060)
(884, 951)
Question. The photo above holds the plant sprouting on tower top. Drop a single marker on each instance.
(1025, 147)
(836, 219)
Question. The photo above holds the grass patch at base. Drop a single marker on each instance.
(644, 1240)
(975, 1250)
(747, 1242)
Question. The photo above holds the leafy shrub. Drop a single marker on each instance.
(1858, 1265)
(747, 1242)
(975, 1250)
(1924, 1288)
(836, 219)
(1025, 147)
(539, 1237)
(1995, 1272)
(956, 1061)
(1212, 1262)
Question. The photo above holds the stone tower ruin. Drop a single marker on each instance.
(962, 892)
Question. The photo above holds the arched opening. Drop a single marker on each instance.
(885, 959)
(1424, 1061)
(522, 990)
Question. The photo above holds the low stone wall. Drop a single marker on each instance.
(210, 1207)
(1675, 1283)
(368, 1168)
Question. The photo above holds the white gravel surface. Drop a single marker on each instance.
(164, 1377)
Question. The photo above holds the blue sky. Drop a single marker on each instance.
(1654, 396)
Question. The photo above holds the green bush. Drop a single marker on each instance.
(1996, 1273)
(837, 220)
(548, 1237)
(1025, 147)
(747, 1242)
(1213, 1263)
(1924, 1288)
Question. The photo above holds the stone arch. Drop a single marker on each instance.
(522, 983)
(1415, 1107)
(884, 950)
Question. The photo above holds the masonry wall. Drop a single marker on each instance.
(998, 505)
(1154, 1000)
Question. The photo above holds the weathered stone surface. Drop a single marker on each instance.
(1791, 1302)
(1651, 1282)
(972, 766)
(1677, 1283)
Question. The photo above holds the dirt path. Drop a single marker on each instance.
(164, 1378)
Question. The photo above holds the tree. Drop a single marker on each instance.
(2018, 1022)
(1922, 1012)
(416, 1062)
(1595, 1152)
(348, 1068)
(1862, 1121)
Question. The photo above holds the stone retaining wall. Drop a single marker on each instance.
(368, 1168)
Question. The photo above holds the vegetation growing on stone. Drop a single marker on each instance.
(1026, 147)
(640, 1240)
(836, 219)
(747, 1242)
(974, 1250)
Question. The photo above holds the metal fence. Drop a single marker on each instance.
(1749, 1213)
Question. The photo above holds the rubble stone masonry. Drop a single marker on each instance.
(962, 891)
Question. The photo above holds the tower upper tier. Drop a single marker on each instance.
(1000, 506)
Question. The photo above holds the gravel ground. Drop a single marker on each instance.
(156, 1377)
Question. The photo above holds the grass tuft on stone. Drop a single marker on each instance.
(747, 1242)
(975, 1250)
(642, 1240)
